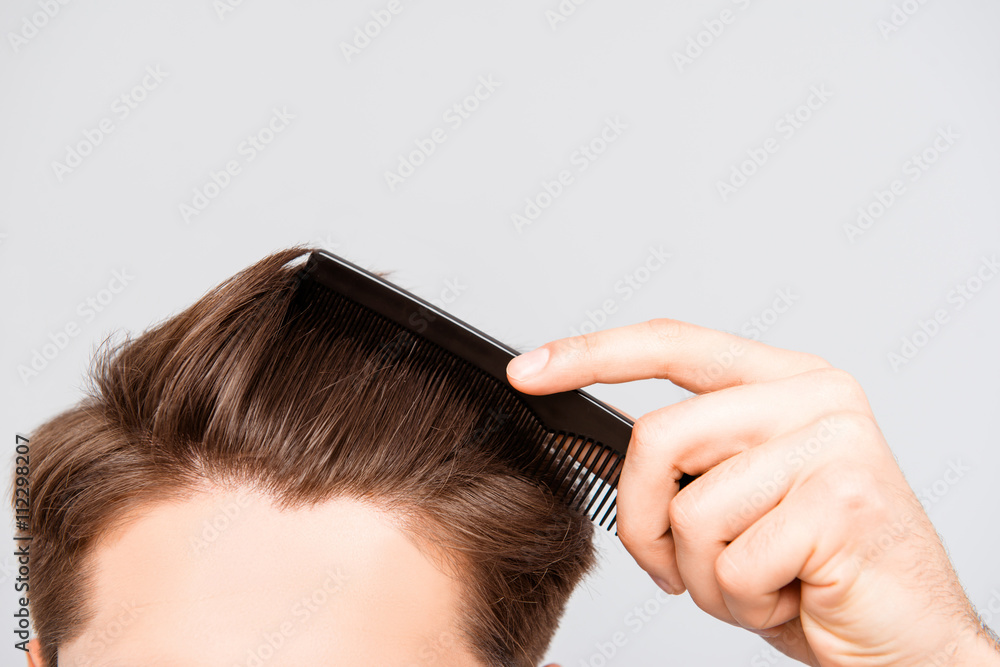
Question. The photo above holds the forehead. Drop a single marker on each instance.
(226, 578)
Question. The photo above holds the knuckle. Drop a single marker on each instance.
(685, 513)
(631, 538)
(626, 535)
(650, 452)
(646, 431)
(665, 330)
(637, 540)
(814, 361)
(853, 427)
(577, 347)
(843, 385)
(853, 491)
(727, 573)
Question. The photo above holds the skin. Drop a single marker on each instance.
(325, 584)
(801, 526)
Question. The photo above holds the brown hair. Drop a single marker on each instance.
(251, 386)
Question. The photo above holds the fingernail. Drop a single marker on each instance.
(767, 633)
(667, 588)
(530, 363)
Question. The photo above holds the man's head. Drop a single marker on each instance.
(252, 480)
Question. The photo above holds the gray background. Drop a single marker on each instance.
(322, 181)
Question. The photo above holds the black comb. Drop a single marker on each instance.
(582, 455)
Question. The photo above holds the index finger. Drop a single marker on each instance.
(696, 358)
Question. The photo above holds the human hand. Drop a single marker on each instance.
(801, 526)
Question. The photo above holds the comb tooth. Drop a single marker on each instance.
(527, 424)
(592, 495)
(604, 490)
(542, 455)
(440, 363)
(592, 471)
(563, 471)
(557, 461)
(611, 508)
(612, 485)
(575, 499)
(549, 455)
(571, 488)
(390, 347)
(598, 483)
(576, 481)
(576, 448)
(468, 388)
(601, 475)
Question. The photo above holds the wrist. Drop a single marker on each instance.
(975, 645)
(982, 654)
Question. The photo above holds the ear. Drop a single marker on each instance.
(35, 654)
